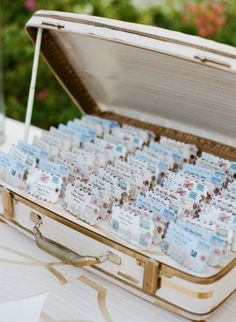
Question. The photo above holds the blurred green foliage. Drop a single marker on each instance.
(211, 19)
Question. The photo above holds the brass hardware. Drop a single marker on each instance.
(52, 24)
(7, 204)
(114, 258)
(141, 258)
(139, 263)
(128, 277)
(151, 277)
(77, 227)
(65, 254)
(214, 61)
(35, 217)
(184, 290)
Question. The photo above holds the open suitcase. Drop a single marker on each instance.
(176, 85)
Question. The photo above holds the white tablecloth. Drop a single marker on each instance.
(25, 310)
(14, 131)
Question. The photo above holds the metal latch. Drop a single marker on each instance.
(7, 202)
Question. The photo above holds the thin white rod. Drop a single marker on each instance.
(32, 84)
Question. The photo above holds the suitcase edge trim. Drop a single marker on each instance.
(164, 269)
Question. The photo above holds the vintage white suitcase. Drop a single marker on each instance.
(177, 85)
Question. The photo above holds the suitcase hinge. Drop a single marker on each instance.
(7, 204)
(151, 277)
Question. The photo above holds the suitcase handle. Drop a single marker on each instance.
(63, 253)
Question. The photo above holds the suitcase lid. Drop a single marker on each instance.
(158, 76)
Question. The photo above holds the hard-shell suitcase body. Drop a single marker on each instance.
(179, 86)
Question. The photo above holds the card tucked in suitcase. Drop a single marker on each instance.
(140, 189)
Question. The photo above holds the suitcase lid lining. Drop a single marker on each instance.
(107, 65)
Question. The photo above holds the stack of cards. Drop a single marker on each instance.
(133, 228)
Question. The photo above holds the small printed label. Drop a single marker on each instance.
(43, 185)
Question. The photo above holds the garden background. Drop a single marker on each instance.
(211, 19)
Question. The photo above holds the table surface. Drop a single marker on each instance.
(36, 287)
